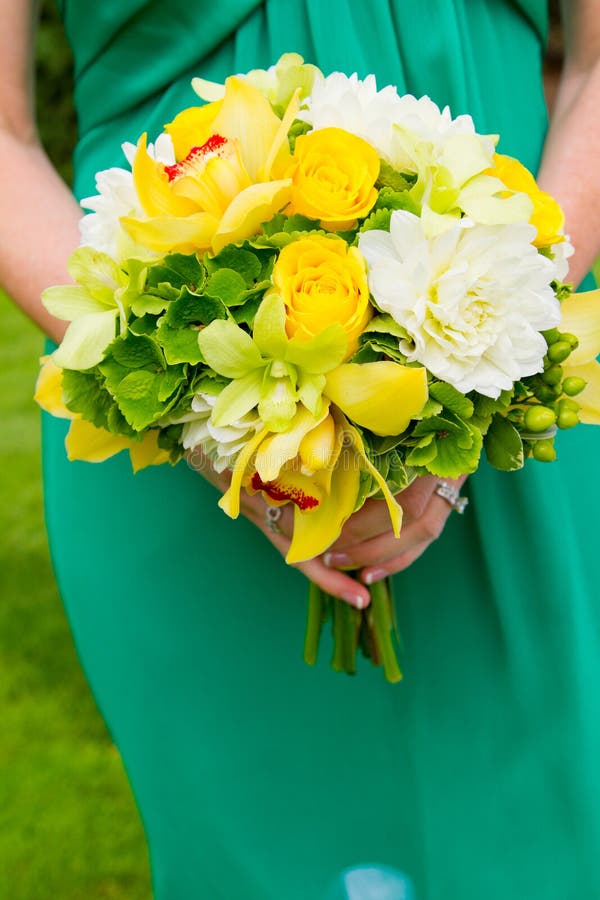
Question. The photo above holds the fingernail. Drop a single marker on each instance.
(374, 575)
(356, 600)
(334, 560)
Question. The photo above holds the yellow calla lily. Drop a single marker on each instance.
(580, 315)
(228, 179)
(381, 396)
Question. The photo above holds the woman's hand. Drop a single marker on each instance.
(254, 508)
(368, 543)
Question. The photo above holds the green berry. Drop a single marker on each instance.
(553, 375)
(544, 451)
(552, 335)
(571, 339)
(573, 385)
(545, 394)
(567, 418)
(559, 351)
(539, 418)
(567, 403)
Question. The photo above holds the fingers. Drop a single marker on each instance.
(378, 551)
(338, 584)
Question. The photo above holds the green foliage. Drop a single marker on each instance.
(503, 445)
(54, 88)
(68, 824)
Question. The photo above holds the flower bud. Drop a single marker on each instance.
(559, 351)
(544, 451)
(539, 418)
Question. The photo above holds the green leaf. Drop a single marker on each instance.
(135, 351)
(389, 177)
(144, 325)
(227, 286)
(452, 399)
(245, 263)
(137, 397)
(246, 312)
(503, 445)
(84, 393)
(179, 269)
(149, 303)
(485, 407)
(180, 345)
(194, 309)
(378, 220)
(390, 199)
(228, 349)
(385, 324)
(171, 381)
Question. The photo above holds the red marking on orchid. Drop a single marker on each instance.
(211, 147)
(283, 493)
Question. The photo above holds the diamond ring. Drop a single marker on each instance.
(452, 496)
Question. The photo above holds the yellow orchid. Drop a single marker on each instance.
(315, 465)
(84, 440)
(580, 315)
(228, 180)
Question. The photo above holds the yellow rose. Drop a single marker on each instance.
(321, 280)
(333, 177)
(547, 215)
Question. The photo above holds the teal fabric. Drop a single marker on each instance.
(259, 778)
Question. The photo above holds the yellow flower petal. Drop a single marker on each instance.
(278, 449)
(230, 501)
(244, 216)
(153, 187)
(589, 398)
(48, 389)
(315, 530)
(165, 234)
(147, 452)
(394, 508)
(192, 127)
(381, 396)
(580, 315)
(248, 116)
(85, 441)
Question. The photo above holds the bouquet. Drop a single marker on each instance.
(329, 290)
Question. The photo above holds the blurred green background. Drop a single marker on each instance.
(69, 828)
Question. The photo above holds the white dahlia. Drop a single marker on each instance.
(117, 197)
(222, 445)
(339, 101)
(472, 300)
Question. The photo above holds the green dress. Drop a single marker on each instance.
(257, 777)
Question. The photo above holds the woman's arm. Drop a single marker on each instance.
(38, 215)
(569, 169)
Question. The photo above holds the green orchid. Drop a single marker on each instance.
(268, 369)
(101, 296)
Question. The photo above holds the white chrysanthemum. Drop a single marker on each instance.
(117, 197)
(561, 253)
(472, 300)
(222, 445)
(357, 106)
(339, 101)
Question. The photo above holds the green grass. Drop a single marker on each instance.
(69, 828)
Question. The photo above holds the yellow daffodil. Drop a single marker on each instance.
(84, 440)
(580, 315)
(547, 216)
(225, 185)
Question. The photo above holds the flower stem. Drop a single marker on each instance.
(383, 626)
(314, 621)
